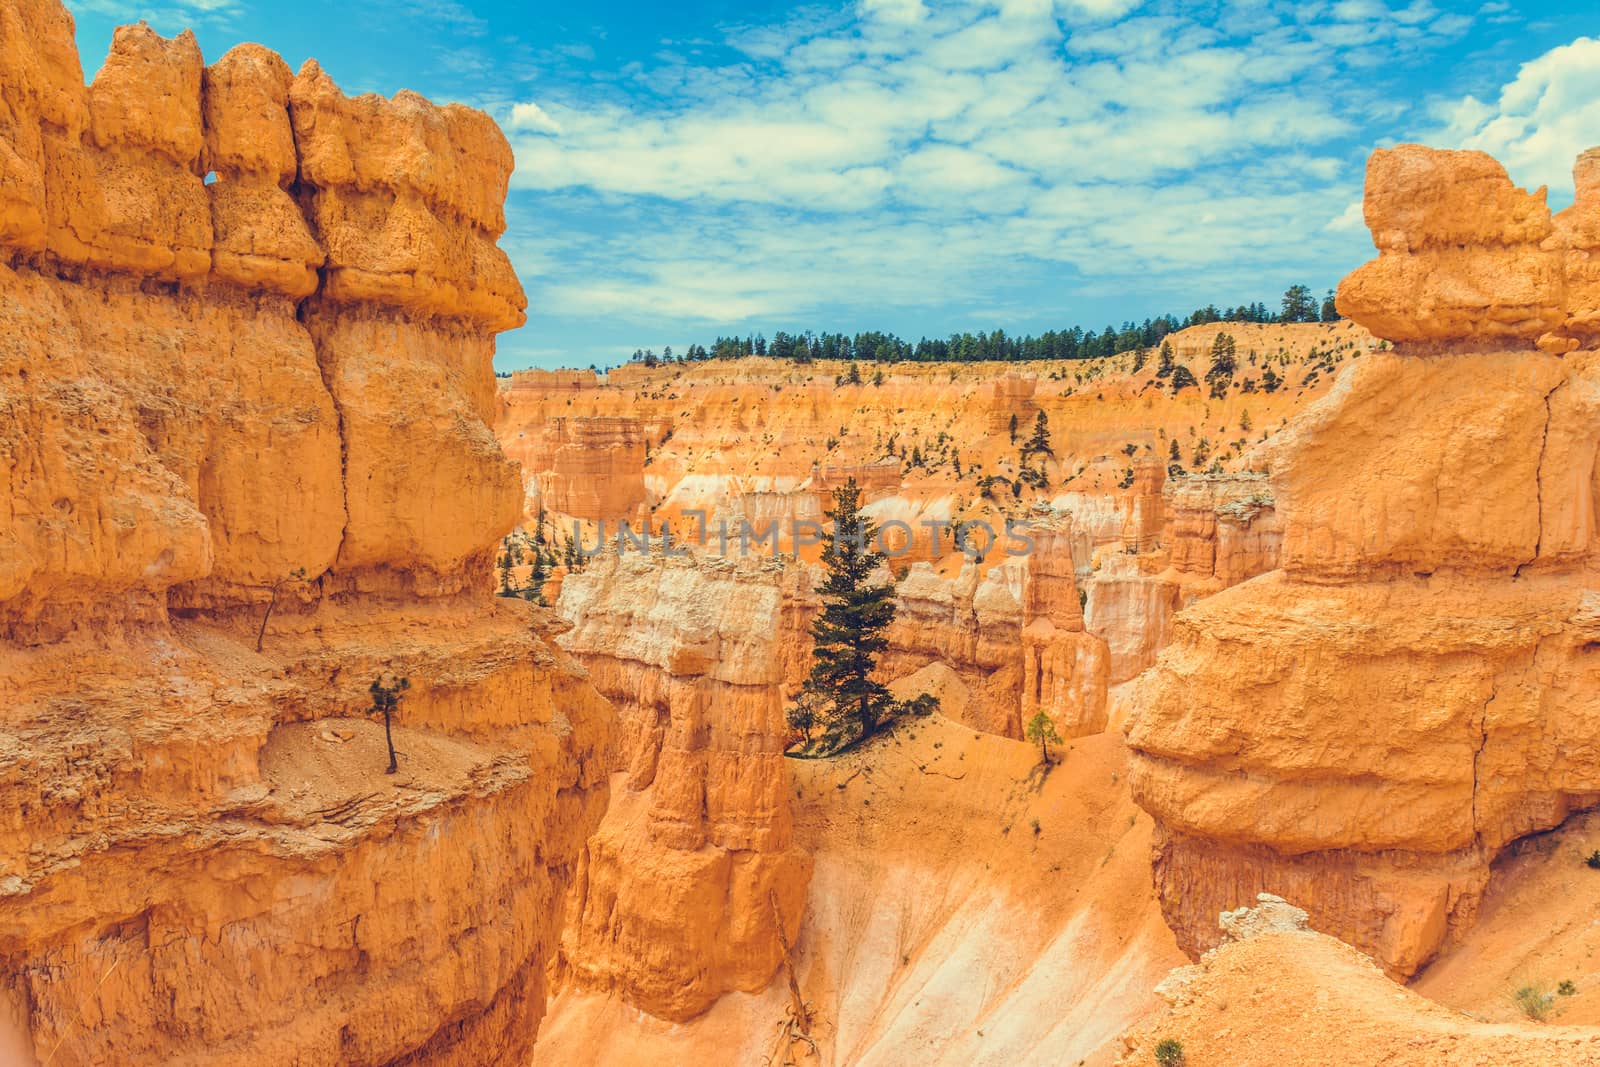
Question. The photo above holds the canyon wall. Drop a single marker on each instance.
(700, 654)
(733, 454)
(683, 889)
(1364, 729)
(246, 467)
(1013, 634)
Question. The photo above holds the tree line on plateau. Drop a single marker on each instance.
(1298, 305)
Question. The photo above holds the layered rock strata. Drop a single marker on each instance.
(682, 892)
(1366, 727)
(1014, 636)
(246, 468)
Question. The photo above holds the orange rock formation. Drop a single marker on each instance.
(673, 910)
(1371, 643)
(680, 893)
(210, 396)
(1364, 729)
(758, 445)
(1464, 256)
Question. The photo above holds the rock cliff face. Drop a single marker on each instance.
(1365, 728)
(1467, 258)
(682, 889)
(235, 303)
(753, 447)
(1015, 638)
(681, 892)
(585, 466)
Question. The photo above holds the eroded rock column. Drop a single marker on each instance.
(1363, 729)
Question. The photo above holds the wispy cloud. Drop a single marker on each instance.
(168, 17)
(914, 150)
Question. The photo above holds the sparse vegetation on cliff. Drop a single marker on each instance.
(1039, 440)
(387, 692)
(296, 575)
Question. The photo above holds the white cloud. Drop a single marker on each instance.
(1101, 9)
(843, 126)
(169, 17)
(1350, 220)
(1543, 119)
(530, 116)
(914, 155)
(903, 11)
(447, 13)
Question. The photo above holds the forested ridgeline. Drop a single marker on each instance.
(1298, 305)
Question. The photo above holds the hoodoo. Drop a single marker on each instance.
(1364, 729)
(248, 328)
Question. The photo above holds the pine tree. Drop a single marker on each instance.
(1165, 364)
(536, 580)
(1013, 427)
(1330, 308)
(1299, 305)
(1041, 730)
(840, 692)
(387, 691)
(1040, 439)
(1223, 364)
(1182, 378)
(506, 586)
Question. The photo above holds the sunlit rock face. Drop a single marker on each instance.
(681, 891)
(738, 458)
(1366, 727)
(1465, 258)
(269, 388)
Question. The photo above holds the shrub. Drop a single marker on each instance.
(1169, 1052)
(1535, 1002)
(1567, 988)
(1594, 860)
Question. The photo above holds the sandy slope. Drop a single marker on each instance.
(941, 927)
(1307, 999)
(1539, 925)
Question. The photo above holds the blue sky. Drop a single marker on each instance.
(927, 168)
